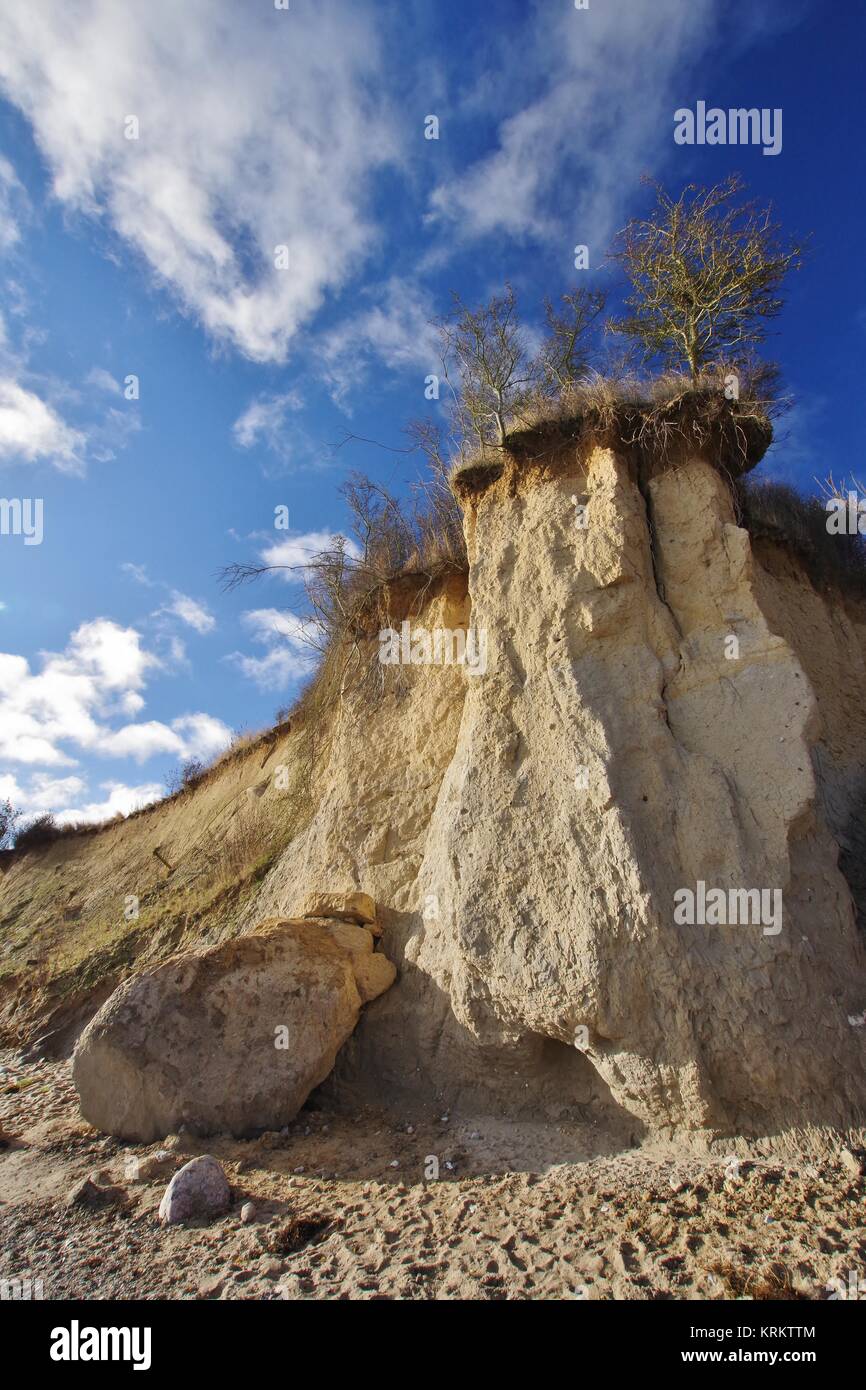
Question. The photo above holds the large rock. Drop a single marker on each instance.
(229, 1039)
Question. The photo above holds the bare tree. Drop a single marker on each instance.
(494, 370)
(563, 358)
(705, 275)
(493, 374)
(419, 538)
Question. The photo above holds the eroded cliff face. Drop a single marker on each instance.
(611, 652)
(664, 706)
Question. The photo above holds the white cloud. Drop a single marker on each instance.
(32, 405)
(44, 792)
(77, 692)
(294, 553)
(62, 798)
(103, 381)
(190, 736)
(121, 800)
(181, 606)
(33, 429)
(30, 430)
(290, 655)
(13, 205)
(602, 84)
(270, 624)
(108, 436)
(397, 330)
(291, 649)
(140, 741)
(253, 134)
(264, 419)
(264, 423)
(277, 669)
(203, 735)
(138, 573)
(196, 615)
(112, 654)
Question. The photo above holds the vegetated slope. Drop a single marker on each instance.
(78, 914)
(525, 831)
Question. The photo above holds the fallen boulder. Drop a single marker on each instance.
(229, 1039)
(199, 1188)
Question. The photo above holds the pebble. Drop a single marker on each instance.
(199, 1188)
(851, 1162)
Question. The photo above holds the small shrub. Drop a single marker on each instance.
(245, 844)
(185, 776)
(44, 830)
(776, 511)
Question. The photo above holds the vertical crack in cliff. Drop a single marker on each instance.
(659, 586)
(654, 557)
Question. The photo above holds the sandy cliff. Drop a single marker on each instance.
(528, 832)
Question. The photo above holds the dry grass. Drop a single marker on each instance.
(44, 831)
(777, 512)
(250, 841)
(771, 1280)
(656, 422)
(394, 559)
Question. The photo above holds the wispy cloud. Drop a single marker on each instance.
(138, 573)
(292, 555)
(600, 85)
(396, 332)
(233, 122)
(264, 420)
(196, 615)
(14, 206)
(34, 427)
(289, 655)
(64, 797)
(190, 611)
(103, 381)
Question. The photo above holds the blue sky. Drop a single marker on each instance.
(154, 258)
